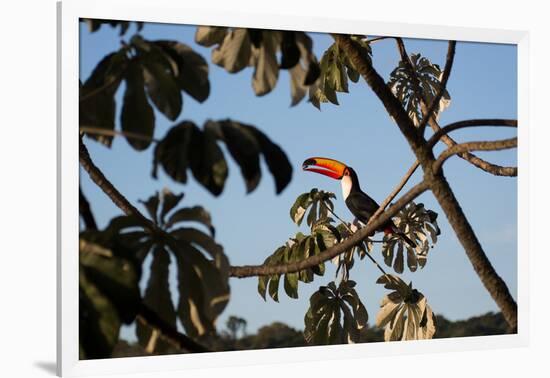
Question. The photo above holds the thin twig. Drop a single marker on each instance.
(85, 211)
(149, 317)
(470, 123)
(473, 146)
(442, 88)
(397, 189)
(375, 39)
(110, 132)
(352, 232)
(469, 157)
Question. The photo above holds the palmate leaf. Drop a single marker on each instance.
(202, 267)
(238, 48)
(95, 24)
(97, 104)
(335, 69)
(419, 224)
(156, 71)
(327, 306)
(109, 296)
(157, 296)
(422, 87)
(296, 249)
(404, 313)
(317, 201)
(185, 147)
(137, 116)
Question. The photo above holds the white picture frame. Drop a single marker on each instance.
(69, 12)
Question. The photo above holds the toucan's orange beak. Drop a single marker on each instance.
(325, 166)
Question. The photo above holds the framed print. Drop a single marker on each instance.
(271, 188)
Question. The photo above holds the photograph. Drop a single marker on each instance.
(249, 189)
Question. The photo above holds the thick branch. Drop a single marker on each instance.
(379, 87)
(489, 277)
(442, 191)
(469, 157)
(473, 146)
(335, 250)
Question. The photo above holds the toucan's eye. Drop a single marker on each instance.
(346, 172)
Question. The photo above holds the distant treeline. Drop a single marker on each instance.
(280, 335)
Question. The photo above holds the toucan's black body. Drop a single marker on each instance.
(361, 205)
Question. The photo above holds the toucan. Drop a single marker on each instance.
(361, 205)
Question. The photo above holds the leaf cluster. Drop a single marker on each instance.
(404, 313)
(336, 69)
(95, 24)
(417, 222)
(201, 265)
(419, 86)
(155, 73)
(238, 48)
(185, 148)
(336, 315)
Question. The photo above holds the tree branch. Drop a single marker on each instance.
(108, 188)
(473, 146)
(442, 87)
(85, 211)
(146, 314)
(151, 318)
(438, 184)
(108, 132)
(470, 123)
(335, 250)
(397, 189)
(378, 85)
(494, 284)
(471, 158)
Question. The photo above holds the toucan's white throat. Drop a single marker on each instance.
(346, 186)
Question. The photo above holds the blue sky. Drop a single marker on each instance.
(483, 84)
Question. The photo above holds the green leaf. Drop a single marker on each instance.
(264, 59)
(210, 35)
(137, 116)
(172, 152)
(98, 321)
(274, 287)
(192, 214)
(243, 147)
(192, 67)
(97, 105)
(202, 283)
(162, 89)
(152, 206)
(274, 157)
(169, 201)
(323, 318)
(116, 278)
(234, 52)
(157, 293)
(422, 85)
(207, 161)
(404, 313)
